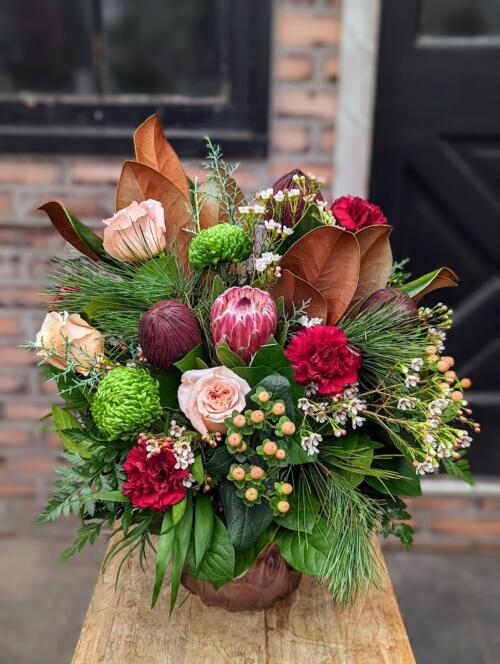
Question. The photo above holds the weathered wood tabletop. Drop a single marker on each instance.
(307, 627)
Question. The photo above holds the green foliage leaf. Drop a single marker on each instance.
(178, 511)
(459, 469)
(443, 277)
(271, 356)
(64, 420)
(303, 513)
(197, 470)
(296, 455)
(307, 555)
(203, 528)
(112, 496)
(163, 553)
(253, 375)
(226, 357)
(218, 287)
(162, 269)
(169, 382)
(217, 566)
(280, 388)
(87, 534)
(245, 523)
(407, 485)
(244, 559)
(188, 362)
(180, 548)
(219, 462)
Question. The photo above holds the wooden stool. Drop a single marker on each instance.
(306, 628)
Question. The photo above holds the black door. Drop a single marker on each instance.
(436, 174)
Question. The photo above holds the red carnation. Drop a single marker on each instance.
(153, 483)
(322, 355)
(355, 213)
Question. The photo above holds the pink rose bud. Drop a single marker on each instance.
(287, 217)
(245, 318)
(137, 232)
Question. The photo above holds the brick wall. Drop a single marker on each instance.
(304, 88)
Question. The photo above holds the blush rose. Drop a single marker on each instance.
(67, 339)
(136, 232)
(208, 396)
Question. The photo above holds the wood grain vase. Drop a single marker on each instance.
(267, 581)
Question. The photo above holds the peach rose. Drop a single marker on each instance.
(68, 339)
(208, 396)
(137, 232)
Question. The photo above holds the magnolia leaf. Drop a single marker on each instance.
(139, 183)
(211, 200)
(295, 291)
(308, 223)
(440, 278)
(375, 260)
(73, 231)
(153, 149)
(329, 258)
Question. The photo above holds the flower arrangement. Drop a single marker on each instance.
(239, 374)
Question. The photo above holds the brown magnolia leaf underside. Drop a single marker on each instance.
(375, 260)
(329, 259)
(296, 291)
(153, 149)
(445, 279)
(213, 211)
(59, 217)
(138, 183)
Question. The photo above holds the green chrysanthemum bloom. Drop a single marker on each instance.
(126, 401)
(222, 243)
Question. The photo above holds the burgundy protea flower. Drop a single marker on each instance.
(245, 318)
(285, 216)
(394, 297)
(167, 332)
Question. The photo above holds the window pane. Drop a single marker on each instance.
(45, 46)
(461, 18)
(164, 47)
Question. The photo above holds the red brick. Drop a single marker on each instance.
(306, 103)
(438, 503)
(467, 526)
(29, 172)
(327, 142)
(96, 172)
(11, 490)
(28, 238)
(5, 204)
(290, 139)
(51, 439)
(20, 296)
(10, 383)
(331, 68)
(84, 206)
(293, 68)
(10, 325)
(24, 411)
(10, 437)
(48, 387)
(33, 465)
(490, 504)
(296, 29)
(12, 356)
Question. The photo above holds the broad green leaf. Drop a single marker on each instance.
(111, 496)
(407, 485)
(253, 375)
(440, 278)
(217, 287)
(163, 553)
(64, 420)
(169, 382)
(245, 523)
(203, 528)
(180, 548)
(188, 362)
(197, 470)
(244, 559)
(296, 454)
(303, 513)
(459, 469)
(178, 511)
(219, 462)
(271, 356)
(280, 388)
(226, 357)
(306, 224)
(307, 555)
(217, 566)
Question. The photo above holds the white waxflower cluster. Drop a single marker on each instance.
(407, 403)
(311, 443)
(266, 260)
(183, 454)
(310, 322)
(437, 337)
(255, 209)
(276, 227)
(176, 431)
(188, 481)
(340, 410)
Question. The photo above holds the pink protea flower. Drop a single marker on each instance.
(245, 318)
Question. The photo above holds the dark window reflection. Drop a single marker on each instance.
(461, 18)
(113, 47)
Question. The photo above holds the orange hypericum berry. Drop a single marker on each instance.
(450, 375)
(239, 421)
(264, 397)
(288, 428)
(286, 489)
(238, 474)
(234, 440)
(442, 365)
(457, 395)
(283, 506)
(257, 472)
(270, 448)
(278, 409)
(257, 416)
(432, 358)
(466, 383)
(449, 359)
(242, 447)
(251, 495)
(280, 454)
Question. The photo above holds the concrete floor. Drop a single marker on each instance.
(450, 603)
